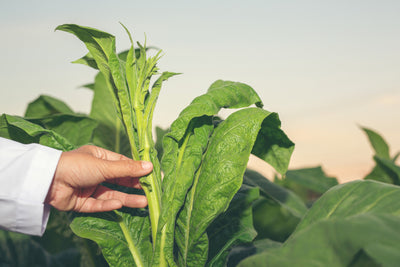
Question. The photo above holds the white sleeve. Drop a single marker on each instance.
(26, 173)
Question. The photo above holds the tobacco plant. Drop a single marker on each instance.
(203, 163)
(208, 209)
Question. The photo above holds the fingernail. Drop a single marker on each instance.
(147, 165)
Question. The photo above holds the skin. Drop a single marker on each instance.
(77, 181)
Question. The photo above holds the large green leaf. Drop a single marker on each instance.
(218, 179)
(233, 227)
(353, 198)
(106, 229)
(45, 106)
(362, 240)
(350, 223)
(185, 144)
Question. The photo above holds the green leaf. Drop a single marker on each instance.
(110, 133)
(185, 144)
(338, 242)
(180, 163)
(348, 221)
(78, 130)
(276, 192)
(87, 60)
(106, 230)
(313, 179)
(379, 174)
(221, 94)
(379, 145)
(217, 180)
(277, 212)
(45, 106)
(22, 250)
(358, 197)
(233, 227)
(238, 253)
(21, 130)
(389, 168)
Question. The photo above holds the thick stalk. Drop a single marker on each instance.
(148, 183)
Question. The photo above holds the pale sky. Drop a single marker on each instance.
(324, 66)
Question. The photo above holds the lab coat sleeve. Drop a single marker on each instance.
(26, 173)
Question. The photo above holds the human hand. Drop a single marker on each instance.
(76, 183)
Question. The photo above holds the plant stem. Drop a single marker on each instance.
(148, 183)
(153, 195)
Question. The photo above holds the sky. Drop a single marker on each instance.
(326, 67)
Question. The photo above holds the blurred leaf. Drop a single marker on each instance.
(338, 242)
(238, 253)
(45, 106)
(379, 145)
(349, 199)
(389, 168)
(313, 179)
(22, 250)
(308, 183)
(277, 212)
(348, 221)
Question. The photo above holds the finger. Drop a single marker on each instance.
(127, 200)
(99, 205)
(101, 153)
(124, 168)
(127, 182)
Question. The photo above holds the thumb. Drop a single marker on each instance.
(125, 168)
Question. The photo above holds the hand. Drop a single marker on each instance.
(76, 183)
